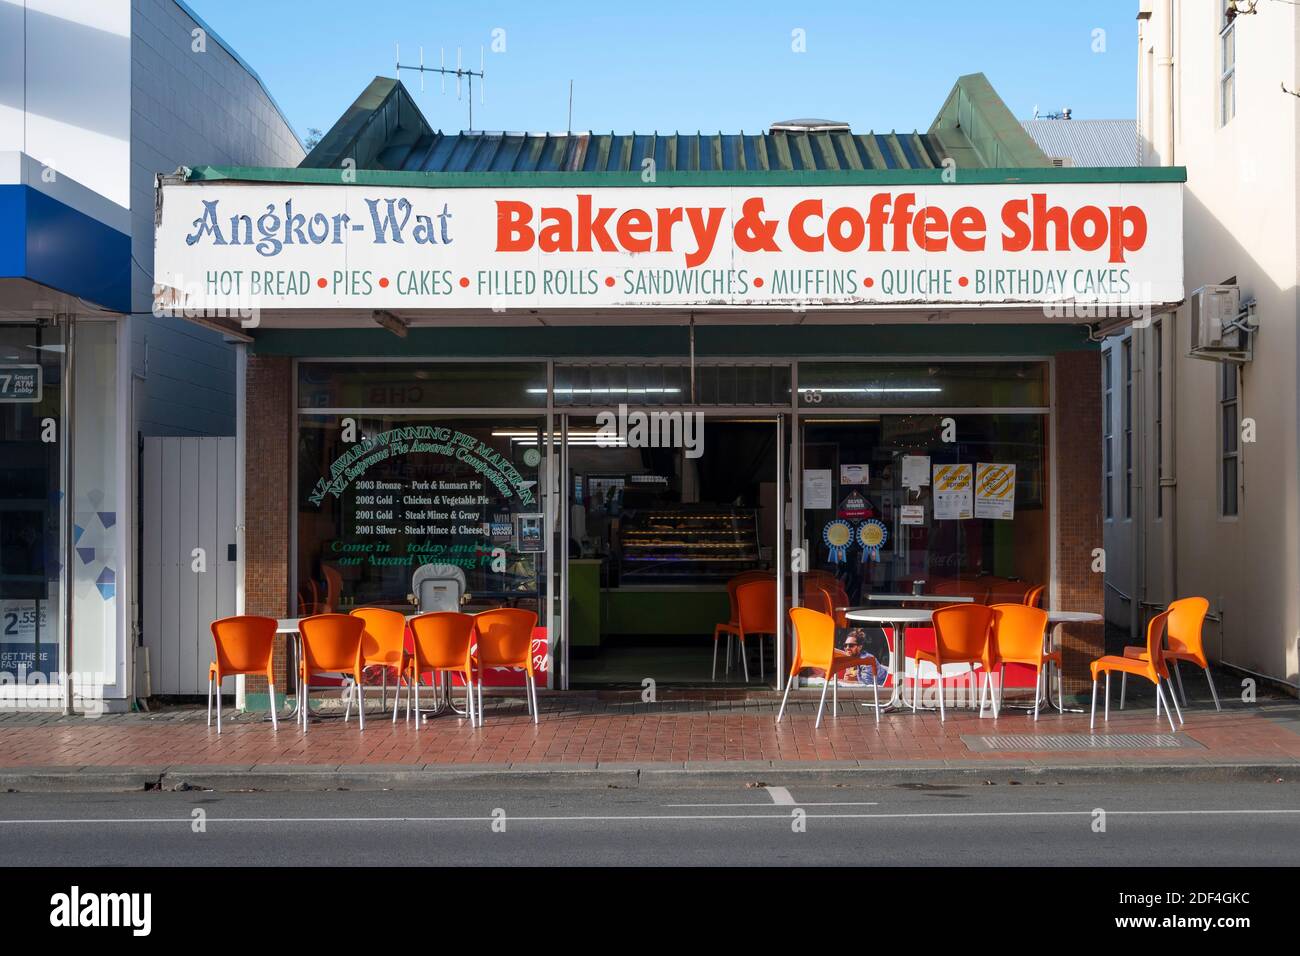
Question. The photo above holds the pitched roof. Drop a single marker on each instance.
(385, 130)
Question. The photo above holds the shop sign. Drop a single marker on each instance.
(20, 383)
(283, 246)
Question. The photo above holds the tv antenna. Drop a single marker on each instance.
(445, 71)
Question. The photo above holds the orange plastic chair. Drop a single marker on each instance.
(1018, 639)
(731, 627)
(442, 642)
(331, 644)
(333, 587)
(1151, 666)
(756, 605)
(383, 645)
(1035, 596)
(814, 646)
(961, 636)
(245, 645)
(505, 639)
(817, 599)
(1183, 642)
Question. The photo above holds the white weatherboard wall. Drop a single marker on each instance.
(188, 488)
(189, 107)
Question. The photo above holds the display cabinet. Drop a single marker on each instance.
(687, 545)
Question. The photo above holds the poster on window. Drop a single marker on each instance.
(995, 491)
(952, 492)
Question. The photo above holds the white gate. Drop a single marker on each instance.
(188, 488)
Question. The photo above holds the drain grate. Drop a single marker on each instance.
(1023, 742)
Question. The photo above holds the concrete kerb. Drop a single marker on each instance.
(433, 777)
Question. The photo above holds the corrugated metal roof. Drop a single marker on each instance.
(1089, 142)
(384, 130)
(440, 152)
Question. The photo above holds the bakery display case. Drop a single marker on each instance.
(703, 544)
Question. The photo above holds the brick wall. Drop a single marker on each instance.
(1077, 398)
(268, 504)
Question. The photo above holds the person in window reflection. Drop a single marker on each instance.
(855, 646)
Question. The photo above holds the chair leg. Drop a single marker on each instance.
(397, 695)
(1213, 693)
(983, 685)
(821, 705)
(347, 706)
(916, 685)
(361, 704)
(1038, 675)
(761, 667)
(835, 690)
(938, 683)
(480, 700)
(275, 723)
(1092, 721)
(475, 715)
(218, 695)
(1123, 689)
(875, 689)
(532, 691)
(1107, 695)
(784, 697)
(1168, 713)
(1182, 692)
(744, 659)
(383, 689)
(1173, 696)
(209, 700)
(714, 675)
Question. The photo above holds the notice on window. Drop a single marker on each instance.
(817, 490)
(995, 491)
(854, 474)
(912, 514)
(916, 471)
(952, 492)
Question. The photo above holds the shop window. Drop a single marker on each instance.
(937, 503)
(416, 385)
(1229, 439)
(31, 383)
(922, 384)
(404, 492)
(1126, 351)
(1158, 347)
(1108, 431)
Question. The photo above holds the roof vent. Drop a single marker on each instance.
(809, 126)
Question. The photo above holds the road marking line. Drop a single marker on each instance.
(698, 806)
(646, 818)
(780, 796)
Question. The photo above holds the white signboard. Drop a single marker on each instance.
(912, 514)
(995, 491)
(294, 246)
(952, 492)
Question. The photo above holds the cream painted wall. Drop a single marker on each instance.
(1240, 220)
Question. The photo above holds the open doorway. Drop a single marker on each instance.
(655, 535)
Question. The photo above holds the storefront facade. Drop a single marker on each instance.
(602, 394)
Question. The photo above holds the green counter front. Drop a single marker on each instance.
(665, 610)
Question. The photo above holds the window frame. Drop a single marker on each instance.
(1108, 433)
(1227, 67)
(1229, 404)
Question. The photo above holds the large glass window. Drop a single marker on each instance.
(382, 496)
(940, 503)
(31, 423)
(922, 384)
(415, 385)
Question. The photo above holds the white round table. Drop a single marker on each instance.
(896, 619)
(923, 598)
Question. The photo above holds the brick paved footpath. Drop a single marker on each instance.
(680, 728)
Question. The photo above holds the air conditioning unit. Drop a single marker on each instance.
(1215, 326)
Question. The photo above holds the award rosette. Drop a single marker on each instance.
(872, 535)
(838, 535)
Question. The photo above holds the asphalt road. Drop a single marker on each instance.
(1187, 824)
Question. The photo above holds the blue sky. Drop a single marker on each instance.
(672, 65)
